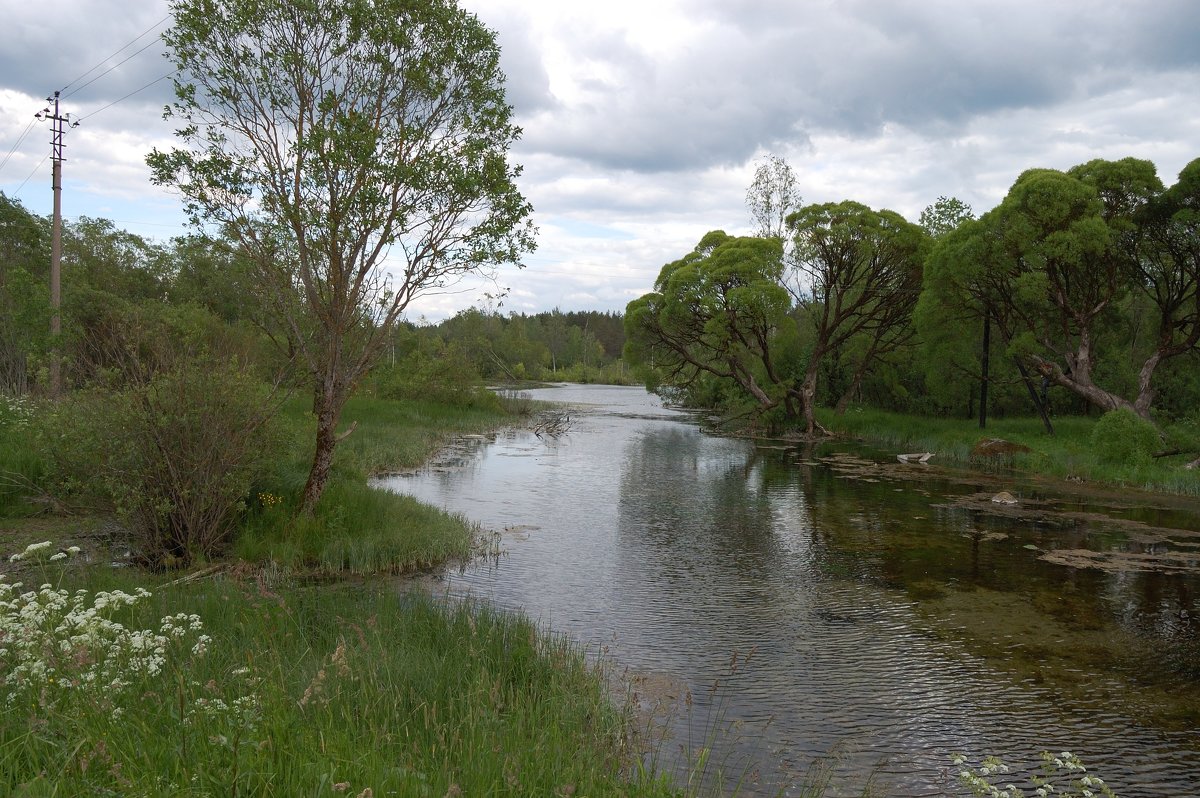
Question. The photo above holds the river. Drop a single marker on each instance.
(786, 606)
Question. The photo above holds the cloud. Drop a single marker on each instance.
(67, 45)
(642, 118)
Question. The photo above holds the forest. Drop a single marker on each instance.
(1078, 294)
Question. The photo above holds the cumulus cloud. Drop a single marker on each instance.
(642, 119)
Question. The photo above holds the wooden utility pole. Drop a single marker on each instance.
(56, 156)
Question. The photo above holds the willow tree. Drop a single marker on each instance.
(357, 151)
(862, 268)
(715, 312)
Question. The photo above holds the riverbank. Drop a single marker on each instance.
(1070, 454)
(281, 672)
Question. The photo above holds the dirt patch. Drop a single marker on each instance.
(996, 447)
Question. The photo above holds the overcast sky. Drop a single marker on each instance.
(643, 119)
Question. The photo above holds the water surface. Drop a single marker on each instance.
(785, 603)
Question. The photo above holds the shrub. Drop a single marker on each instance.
(447, 378)
(1121, 437)
(174, 456)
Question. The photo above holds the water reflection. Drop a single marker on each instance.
(838, 602)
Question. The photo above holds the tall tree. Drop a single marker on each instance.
(715, 311)
(332, 138)
(945, 215)
(944, 332)
(863, 269)
(1165, 260)
(1058, 261)
(772, 196)
(1063, 248)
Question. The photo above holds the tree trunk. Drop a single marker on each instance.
(1033, 394)
(1079, 382)
(808, 395)
(1145, 391)
(985, 362)
(328, 401)
(856, 382)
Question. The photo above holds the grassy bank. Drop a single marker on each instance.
(356, 527)
(286, 689)
(275, 679)
(1068, 454)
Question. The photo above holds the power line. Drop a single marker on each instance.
(130, 94)
(21, 138)
(31, 174)
(114, 55)
(114, 66)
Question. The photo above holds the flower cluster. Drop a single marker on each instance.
(1079, 784)
(269, 499)
(53, 642)
(41, 552)
(15, 411)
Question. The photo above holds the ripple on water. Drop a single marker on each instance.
(805, 612)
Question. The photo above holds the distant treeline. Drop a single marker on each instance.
(572, 346)
(129, 303)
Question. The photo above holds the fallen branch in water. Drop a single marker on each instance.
(553, 426)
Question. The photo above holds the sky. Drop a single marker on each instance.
(644, 120)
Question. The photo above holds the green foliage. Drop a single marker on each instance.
(447, 377)
(24, 295)
(174, 455)
(944, 216)
(1121, 437)
(322, 136)
(373, 690)
(862, 269)
(714, 313)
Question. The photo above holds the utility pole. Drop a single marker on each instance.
(56, 156)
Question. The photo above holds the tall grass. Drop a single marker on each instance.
(358, 689)
(20, 466)
(356, 527)
(1068, 454)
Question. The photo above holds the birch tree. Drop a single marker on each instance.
(357, 152)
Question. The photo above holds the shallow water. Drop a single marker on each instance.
(785, 603)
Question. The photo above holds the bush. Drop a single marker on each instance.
(174, 456)
(446, 378)
(1122, 437)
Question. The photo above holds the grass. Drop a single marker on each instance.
(20, 470)
(356, 527)
(306, 687)
(1068, 454)
(355, 688)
